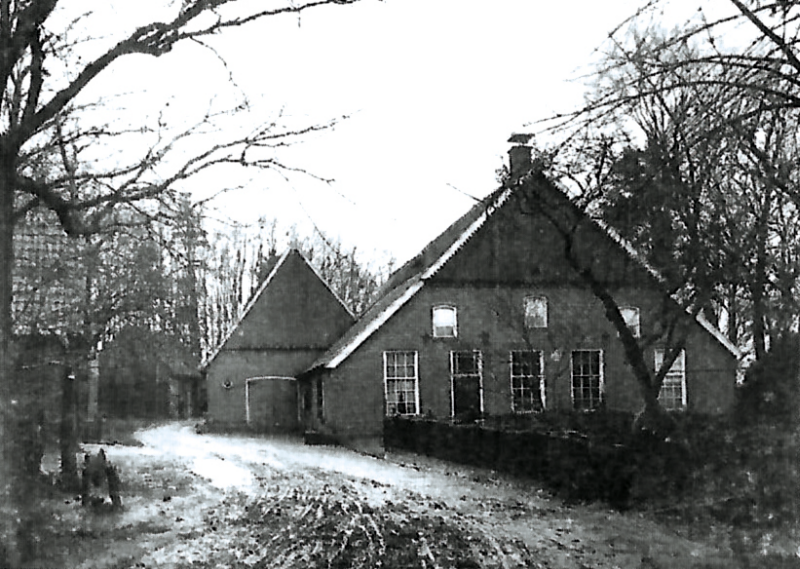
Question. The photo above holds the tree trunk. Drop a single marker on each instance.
(92, 409)
(9, 471)
(68, 440)
(652, 418)
(733, 315)
(760, 277)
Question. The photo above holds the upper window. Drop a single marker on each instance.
(673, 389)
(444, 322)
(631, 316)
(527, 381)
(587, 379)
(535, 312)
(401, 383)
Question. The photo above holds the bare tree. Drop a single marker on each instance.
(717, 121)
(684, 145)
(40, 114)
(582, 240)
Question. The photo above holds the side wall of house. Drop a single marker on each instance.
(490, 319)
(227, 374)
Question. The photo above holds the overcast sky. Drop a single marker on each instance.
(432, 88)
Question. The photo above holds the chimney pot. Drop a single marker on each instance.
(519, 160)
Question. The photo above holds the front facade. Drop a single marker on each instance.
(493, 318)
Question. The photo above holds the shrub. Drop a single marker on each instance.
(771, 390)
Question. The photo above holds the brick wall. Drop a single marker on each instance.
(227, 404)
(490, 319)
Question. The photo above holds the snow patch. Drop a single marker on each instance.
(222, 474)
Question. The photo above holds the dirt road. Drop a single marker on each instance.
(234, 501)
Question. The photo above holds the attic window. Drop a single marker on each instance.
(444, 322)
(631, 316)
(535, 312)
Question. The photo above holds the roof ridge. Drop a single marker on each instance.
(325, 282)
(415, 281)
(440, 241)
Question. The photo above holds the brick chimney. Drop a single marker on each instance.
(519, 155)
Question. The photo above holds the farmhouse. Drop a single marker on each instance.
(293, 318)
(493, 316)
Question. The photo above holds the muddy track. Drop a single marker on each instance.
(280, 504)
(208, 501)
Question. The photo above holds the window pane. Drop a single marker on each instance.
(672, 395)
(526, 381)
(466, 363)
(535, 312)
(586, 379)
(444, 321)
(400, 365)
(631, 316)
(400, 376)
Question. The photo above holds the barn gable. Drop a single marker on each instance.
(293, 309)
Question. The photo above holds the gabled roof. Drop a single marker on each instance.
(291, 265)
(409, 279)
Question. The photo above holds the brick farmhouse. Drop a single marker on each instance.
(491, 318)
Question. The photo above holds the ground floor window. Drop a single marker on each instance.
(673, 389)
(587, 379)
(527, 381)
(466, 383)
(401, 382)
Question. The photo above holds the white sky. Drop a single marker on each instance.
(433, 89)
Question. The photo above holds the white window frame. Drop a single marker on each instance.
(631, 315)
(387, 379)
(541, 377)
(443, 307)
(601, 387)
(531, 301)
(675, 378)
(454, 376)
